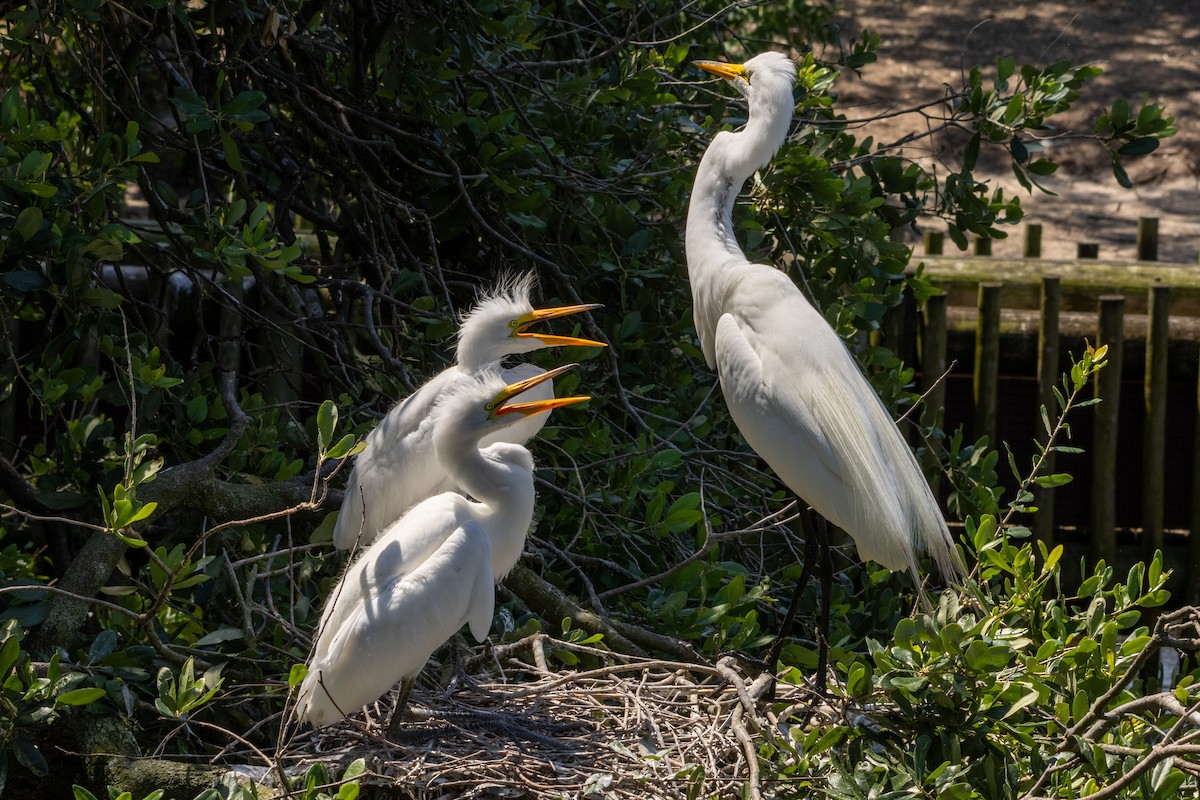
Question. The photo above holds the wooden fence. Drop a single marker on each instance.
(1137, 486)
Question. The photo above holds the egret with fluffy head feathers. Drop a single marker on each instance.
(398, 467)
(433, 570)
(792, 387)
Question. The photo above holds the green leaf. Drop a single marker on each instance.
(343, 446)
(327, 419)
(1005, 65)
(10, 651)
(79, 697)
(232, 156)
(28, 223)
(971, 154)
(1042, 167)
(30, 757)
(8, 109)
(1024, 702)
(1051, 481)
(101, 297)
(197, 409)
(103, 646)
(296, 675)
(82, 793)
(25, 280)
(224, 634)
(1139, 147)
(1121, 175)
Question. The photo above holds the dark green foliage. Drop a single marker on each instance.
(303, 198)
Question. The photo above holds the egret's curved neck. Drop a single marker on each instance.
(730, 159)
(710, 211)
(711, 247)
(500, 478)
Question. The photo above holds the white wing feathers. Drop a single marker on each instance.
(818, 423)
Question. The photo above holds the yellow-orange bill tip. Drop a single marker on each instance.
(514, 389)
(538, 406)
(558, 311)
(551, 340)
(722, 69)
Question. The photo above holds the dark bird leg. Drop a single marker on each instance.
(817, 558)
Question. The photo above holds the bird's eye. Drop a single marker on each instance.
(490, 406)
(514, 323)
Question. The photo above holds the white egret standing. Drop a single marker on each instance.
(793, 389)
(398, 468)
(432, 571)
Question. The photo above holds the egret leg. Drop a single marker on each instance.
(406, 687)
(826, 578)
(818, 558)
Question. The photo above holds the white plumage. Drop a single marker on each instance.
(793, 389)
(431, 571)
(398, 468)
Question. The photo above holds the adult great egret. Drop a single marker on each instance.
(398, 468)
(432, 570)
(792, 387)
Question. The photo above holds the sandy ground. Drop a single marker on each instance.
(1145, 47)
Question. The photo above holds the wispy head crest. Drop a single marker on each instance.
(509, 288)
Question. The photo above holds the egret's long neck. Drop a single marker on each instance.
(730, 159)
(500, 478)
(710, 243)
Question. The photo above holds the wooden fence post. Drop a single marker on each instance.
(1104, 434)
(987, 360)
(1033, 240)
(1193, 558)
(933, 366)
(933, 242)
(1154, 438)
(1147, 239)
(1043, 522)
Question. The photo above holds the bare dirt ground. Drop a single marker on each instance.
(1150, 47)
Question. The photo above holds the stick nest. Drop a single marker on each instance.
(637, 729)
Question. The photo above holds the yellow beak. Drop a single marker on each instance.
(722, 69)
(499, 407)
(549, 339)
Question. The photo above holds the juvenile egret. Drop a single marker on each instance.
(398, 468)
(793, 389)
(432, 571)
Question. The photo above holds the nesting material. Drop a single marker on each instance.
(636, 729)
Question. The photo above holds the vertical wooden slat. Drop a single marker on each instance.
(896, 326)
(1033, 241)
(1048, 376)
(934, 242)
(1147, 239)
(1193, 560)
(1104, 437)
(987, 360)
(933, 366)
(1087, 250)
(1154, 439)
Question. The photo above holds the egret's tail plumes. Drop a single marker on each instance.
(893, 515)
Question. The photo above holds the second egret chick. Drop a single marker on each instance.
(433, 570)
(398, 468)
